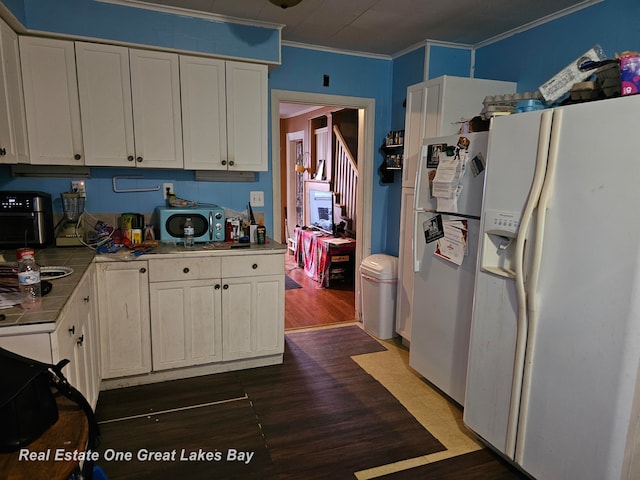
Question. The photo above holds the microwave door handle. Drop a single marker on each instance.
(210, 225)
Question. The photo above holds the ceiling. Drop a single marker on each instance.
(385, 27)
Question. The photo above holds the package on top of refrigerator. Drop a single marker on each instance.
(560, 84)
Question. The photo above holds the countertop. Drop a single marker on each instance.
(19, 321)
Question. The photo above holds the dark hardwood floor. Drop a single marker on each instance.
(317, 416)
(313, 305)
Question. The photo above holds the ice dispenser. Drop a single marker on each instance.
(499, 245)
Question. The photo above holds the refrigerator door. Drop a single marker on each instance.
(579, 420)
(470, 200)
(442, 301)
(512, 154)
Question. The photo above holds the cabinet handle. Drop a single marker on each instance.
(130, 158)
(77, 156)
(254, 266)
(139, 159)
(224, 162)
(3, 151)
(217, 286)
(86, 299)
(72, 330)
(80, 340)
(231, 163)
(225, 286)
(143, 270)
(185, 269)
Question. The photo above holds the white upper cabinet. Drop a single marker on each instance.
(224, 114)
(155, 89)
(204, 113)
(247, 116)
(13, 128)
(104, 86)
(130, 114)
(51, 101)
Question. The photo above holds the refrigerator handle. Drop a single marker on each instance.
(521, 297)
(414, 242)
(534, 274)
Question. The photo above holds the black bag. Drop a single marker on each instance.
(28, 406)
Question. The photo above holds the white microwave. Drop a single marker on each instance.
(208, 223)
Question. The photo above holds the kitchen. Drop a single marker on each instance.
(528, 58)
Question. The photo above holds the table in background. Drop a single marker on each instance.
(325, 258)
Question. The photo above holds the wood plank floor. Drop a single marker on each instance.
(320, 415)
(313, 305)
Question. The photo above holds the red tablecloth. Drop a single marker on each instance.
(315, 249)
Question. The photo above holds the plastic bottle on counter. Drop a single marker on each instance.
(29, 279)
(188, 234)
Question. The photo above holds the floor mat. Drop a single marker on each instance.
(290, 283)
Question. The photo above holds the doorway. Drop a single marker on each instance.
(365, 108)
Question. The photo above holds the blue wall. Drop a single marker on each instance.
(529, 58)
(532, 57)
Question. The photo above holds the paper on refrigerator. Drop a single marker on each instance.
(453, 246)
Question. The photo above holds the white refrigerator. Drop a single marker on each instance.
(444, 266)
(555, 343)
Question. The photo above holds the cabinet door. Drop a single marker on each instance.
(13, 127)
(87, 345)
(155, 88)
(185, 323)
(252, 316)
(104, 87)
(64, 346)
(51, 101)
(204, 122)
(123, 306)
(404, 293)
(414, 132)
(247, 116)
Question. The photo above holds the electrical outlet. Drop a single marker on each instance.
(164, 189)
(78, 186)
(256, 199)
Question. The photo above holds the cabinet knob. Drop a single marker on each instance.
(80, 340)
(130, 158)
(231, 163)
(254, 266)
(72, 330)
(77, 156)
(3, 151)
(143, 270)
(217, 286)
(86, 299)
(139, 159)
(185, 269)
(225, 286)
(224, 162)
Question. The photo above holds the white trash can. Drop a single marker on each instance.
(379, 278)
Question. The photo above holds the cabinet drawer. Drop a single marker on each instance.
(183, 269)
(252, 265)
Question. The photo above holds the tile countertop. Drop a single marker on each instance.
(19, 321)
(43, 319)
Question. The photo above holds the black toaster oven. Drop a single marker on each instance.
(26, 219)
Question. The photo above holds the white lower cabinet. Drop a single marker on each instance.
(123, 304)
(185, 303)
(216, 309)
(76, 339)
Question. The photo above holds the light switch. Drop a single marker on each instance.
(256, 199)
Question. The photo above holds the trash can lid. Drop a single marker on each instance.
(380, 266)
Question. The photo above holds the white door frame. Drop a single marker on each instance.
(292, 137)
(366, 124)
